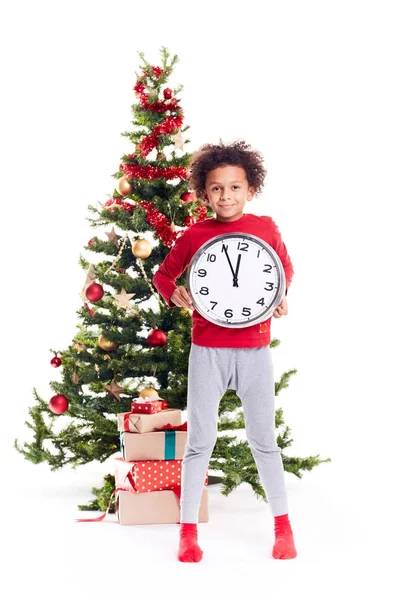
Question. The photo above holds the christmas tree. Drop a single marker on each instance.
(128, 342)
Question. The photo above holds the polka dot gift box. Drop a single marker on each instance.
(147, 475)
(147, 407)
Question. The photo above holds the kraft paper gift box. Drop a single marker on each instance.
(154, 445)
(144, 423)
(148, 475)
(160, 507)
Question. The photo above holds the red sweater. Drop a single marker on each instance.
(205, 333)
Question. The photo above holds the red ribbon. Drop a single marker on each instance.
(177, 491)
(103, 515)
(131, 480)
(127, 419)
(90, 310)
(169, 427)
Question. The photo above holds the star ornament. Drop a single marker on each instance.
(90, 275)
(114, 389)
(123, 299)
(113, 237)
(178, 140)
(79, 347)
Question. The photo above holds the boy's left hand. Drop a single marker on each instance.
(281, 309)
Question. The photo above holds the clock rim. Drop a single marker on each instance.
(262, 318)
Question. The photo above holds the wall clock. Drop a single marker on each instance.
(236, 280)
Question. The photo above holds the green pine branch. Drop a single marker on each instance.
(284, 381)
(103, 496)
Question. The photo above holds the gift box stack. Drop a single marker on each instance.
(148, 476)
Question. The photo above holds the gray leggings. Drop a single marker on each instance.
(211, 372)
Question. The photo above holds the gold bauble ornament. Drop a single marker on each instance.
(106, 344)
(141, 248)
(148, 393)
(124, 187)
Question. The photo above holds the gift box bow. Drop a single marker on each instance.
(169, 427)
(170, 433)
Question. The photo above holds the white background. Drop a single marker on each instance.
(315, 87)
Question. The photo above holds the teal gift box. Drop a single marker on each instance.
(154, 445)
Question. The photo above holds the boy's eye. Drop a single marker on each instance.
(215, 188)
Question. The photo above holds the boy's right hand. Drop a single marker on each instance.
(181, 297)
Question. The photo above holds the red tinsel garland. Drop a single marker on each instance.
(158, 71)
(170, 124)
(167, 126)
(157, 219)
(161, 106)
(150, 172)
(201, 211)
(160, 223)
(158, 106)
(151, 141)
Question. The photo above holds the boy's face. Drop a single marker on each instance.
(227, 191)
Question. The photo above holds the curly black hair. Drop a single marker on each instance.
(238, 154)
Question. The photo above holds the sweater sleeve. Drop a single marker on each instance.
(280, 248)
(172, 267)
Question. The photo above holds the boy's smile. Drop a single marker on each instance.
(227, 191)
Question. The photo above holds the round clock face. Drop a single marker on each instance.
(236, 280)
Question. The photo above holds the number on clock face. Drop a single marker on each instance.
(236, 280)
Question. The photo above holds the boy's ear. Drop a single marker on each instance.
(205, 199)
(251, 194)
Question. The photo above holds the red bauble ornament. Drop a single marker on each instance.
(167, 93)
(187, 197)
(58, 404)
(94, 292)
(55, 361)
(157, 337)
(190, 220)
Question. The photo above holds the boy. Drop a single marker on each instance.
(226, 177)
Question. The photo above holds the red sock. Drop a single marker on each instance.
(189, 550)
(284, 543)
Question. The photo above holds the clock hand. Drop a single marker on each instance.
(230, 264)
(235, 276)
